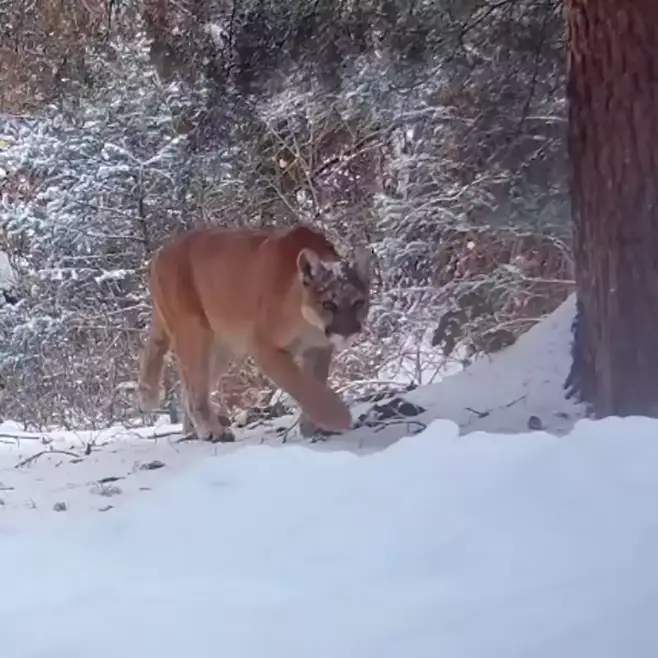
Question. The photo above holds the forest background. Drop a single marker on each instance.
(432, 130)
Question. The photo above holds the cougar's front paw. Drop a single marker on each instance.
(329, 412)
(309, 430)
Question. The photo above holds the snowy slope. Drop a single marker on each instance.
(502, 392)
(506, 546)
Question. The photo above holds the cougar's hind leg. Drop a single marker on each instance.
(188, 425)
(315, 362)
(219, 362)
(196, 364)
(152, 364)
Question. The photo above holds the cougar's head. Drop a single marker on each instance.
(335, 295)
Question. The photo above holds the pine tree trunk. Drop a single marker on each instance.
(613, 144)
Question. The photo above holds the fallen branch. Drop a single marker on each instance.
(383, 424)
(27, 437)
(36, 456)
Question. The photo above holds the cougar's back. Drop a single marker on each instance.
(231, 279)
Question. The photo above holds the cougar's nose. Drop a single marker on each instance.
(343, 325)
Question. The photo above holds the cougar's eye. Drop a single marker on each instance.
(358, 305)
(329, 306)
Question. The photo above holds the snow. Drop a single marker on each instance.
(419, 362)
(440, 545)
(454, 542)
(7, 273)
(501, 392)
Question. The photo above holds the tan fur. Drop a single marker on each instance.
(223, 294)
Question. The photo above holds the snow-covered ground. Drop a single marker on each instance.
(484, 546)
(78, 472)
(473, 538)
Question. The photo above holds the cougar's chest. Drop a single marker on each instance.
(306, 338)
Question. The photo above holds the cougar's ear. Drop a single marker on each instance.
(309, 266)
(362, 261)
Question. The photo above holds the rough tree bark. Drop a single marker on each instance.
(613, 145)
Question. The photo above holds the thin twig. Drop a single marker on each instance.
(488, 412)
(284, 436)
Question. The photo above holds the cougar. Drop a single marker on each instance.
(275, 295)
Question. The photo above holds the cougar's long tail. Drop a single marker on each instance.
(152, 363)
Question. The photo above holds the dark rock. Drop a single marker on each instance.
(110, 478)
(101, 489)
(397, 407)
(534, 423)
(152, 466)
